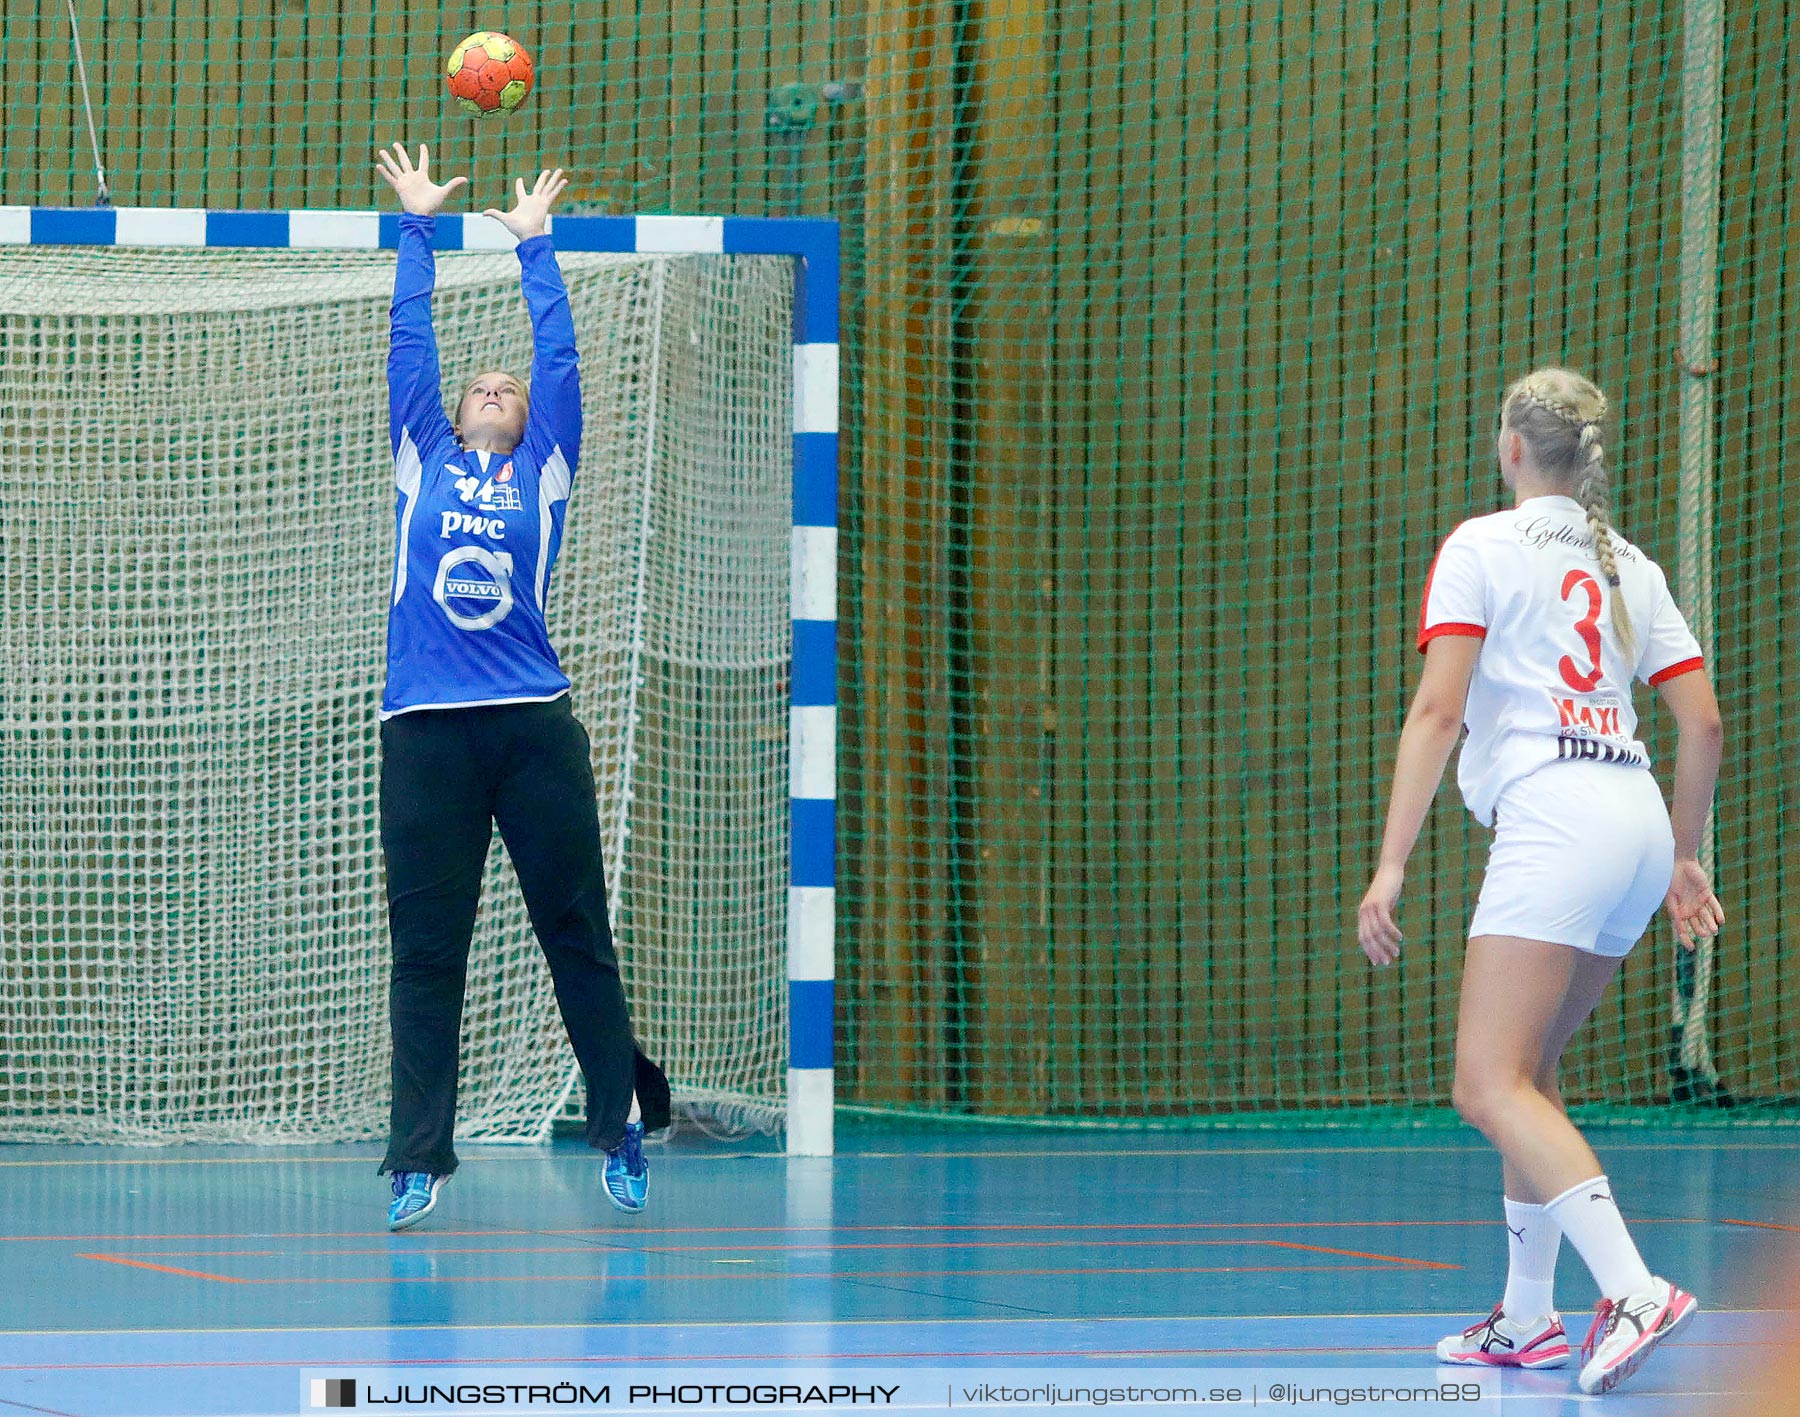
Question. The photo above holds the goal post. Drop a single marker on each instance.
(713, 601)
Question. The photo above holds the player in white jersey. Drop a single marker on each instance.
(1535, 623)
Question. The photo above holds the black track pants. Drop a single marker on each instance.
(447, 776)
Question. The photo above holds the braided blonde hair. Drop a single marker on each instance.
(1559, 413)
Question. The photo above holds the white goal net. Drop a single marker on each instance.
(198, 531)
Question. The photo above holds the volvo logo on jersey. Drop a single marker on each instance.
(474, 586)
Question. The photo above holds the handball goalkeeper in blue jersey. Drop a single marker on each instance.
(476, 723)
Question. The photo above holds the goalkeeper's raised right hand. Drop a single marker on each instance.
(418, 194)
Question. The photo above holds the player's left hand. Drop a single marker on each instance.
(1377, 931)
(532, 211)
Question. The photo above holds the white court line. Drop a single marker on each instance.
(534, 1158)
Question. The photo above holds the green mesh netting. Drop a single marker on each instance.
(1174, 337)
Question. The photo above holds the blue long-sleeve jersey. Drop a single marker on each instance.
(478, 532)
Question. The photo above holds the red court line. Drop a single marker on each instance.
(449, 1251)
(1764, 1225)
(163, 1268)
(946, 1229)
(627, 1228)
(785, 1356)
(1359, 1254)
(754, 1274)
(661, 1360)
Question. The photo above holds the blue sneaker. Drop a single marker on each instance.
(415, 1195)
(627, 1173)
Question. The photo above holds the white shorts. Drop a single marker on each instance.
(1582, 856)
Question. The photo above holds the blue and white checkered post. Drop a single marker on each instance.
(812, 721)
(812, 740)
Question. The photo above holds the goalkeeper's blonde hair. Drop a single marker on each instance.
(1559, 415)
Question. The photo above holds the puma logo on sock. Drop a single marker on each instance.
(1518, 1234)
(1599, 1196)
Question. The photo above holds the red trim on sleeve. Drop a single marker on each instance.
(1425, 600)
(1686, 666)
(1451, 627)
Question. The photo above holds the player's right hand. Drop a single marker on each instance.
(418, 194)
(1377, 931)
(1692, 906)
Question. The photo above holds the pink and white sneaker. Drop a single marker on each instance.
(1498, 1342)
(1624, 1333)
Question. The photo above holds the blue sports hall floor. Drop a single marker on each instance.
(215, 1280)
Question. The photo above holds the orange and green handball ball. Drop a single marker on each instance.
(489, 73)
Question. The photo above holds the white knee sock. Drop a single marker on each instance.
(1531, 1245)
(1588, 1215)
(637, 1113)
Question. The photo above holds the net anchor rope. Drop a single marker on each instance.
(1701, 141)
(103, 197)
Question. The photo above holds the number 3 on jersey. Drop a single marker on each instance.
(1588, 627)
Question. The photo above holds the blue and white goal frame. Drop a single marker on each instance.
(812, 245)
